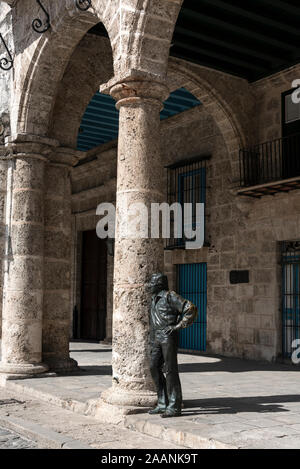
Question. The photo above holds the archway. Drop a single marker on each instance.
(42, 114)
(43, 168)
(37, 279)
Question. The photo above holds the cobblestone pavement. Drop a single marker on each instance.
(246, 404)
(66, 425)
(11, 440)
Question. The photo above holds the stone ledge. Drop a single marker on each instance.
(169, 430)
(19, 387)
(44, 437)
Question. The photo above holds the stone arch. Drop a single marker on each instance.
(226, 98)
(145, 36)
(136, 28)
(39, 71)
(82, 78)
(204, 84)
(232, 110)
(232, 117)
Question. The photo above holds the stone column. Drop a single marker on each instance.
(109, 299)
(24, 272)
(139, 180)
(58, 242)
(3, 182)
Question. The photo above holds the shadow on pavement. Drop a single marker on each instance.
(91, 350)
(104, 370)
(234, 366)
(235, 405)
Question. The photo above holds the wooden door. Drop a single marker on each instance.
(93, 291)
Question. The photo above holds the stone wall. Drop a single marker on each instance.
(268, 102)
(243, 320)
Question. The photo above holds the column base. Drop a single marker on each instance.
(112, 414)
(129, 398)
(61, 365)
(113, 406)
(22, 370)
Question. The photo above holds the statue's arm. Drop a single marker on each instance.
(190, 313)
(185, 308)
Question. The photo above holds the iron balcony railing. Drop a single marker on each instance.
(270, 161)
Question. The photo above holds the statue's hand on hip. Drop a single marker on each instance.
(169, 330)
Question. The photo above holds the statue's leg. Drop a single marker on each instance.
(156, 366)
(174, 392)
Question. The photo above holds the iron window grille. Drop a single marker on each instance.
(290, 259)
(186, 183)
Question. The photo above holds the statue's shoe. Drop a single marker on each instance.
(169, 413)
(157, 410)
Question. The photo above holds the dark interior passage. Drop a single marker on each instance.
(93, 287)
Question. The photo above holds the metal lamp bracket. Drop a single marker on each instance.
(6, 63)
(38, 25)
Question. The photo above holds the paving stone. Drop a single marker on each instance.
(11, 440)
(234, 403)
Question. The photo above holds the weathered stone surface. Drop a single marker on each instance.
(135, 259)
(23, 281)
(57, 259)
(54, 78)
(239, 231)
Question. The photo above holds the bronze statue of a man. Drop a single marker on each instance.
(169, 313)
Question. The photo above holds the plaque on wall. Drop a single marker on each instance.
(239, 276)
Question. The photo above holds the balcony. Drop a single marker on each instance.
(270, 167)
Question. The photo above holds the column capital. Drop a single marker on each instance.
(136, 87)
(27, 145)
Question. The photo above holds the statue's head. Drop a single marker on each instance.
(158, 282)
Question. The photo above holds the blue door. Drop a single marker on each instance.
(192, 286)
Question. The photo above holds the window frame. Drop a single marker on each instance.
(194, 167)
